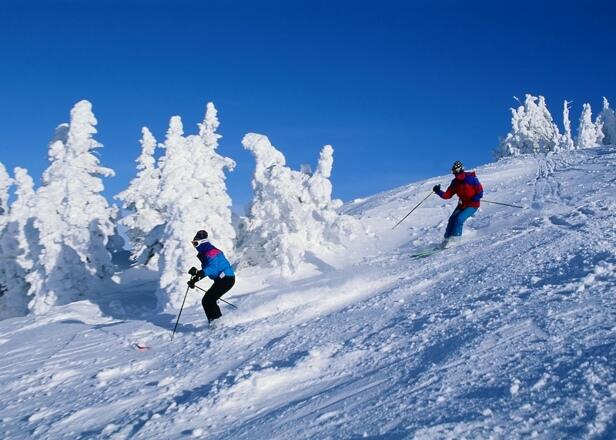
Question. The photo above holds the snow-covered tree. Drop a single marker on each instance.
(567, 137)
(533, 130)
(15, 261)
(73, 218)
(211, 178)
(172, 168)
(140, 199)
(192, 196)
(589, 134)
(607, 119)
(273, 234)
(292, 211)
(5, 184)
(335, 228)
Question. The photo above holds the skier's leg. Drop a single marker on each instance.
(451, 223)
(458, 223)
(212, 311)
(225, 285)
(218, 289)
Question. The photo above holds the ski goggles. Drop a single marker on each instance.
(196, 243)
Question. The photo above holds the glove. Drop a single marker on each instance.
(196, 273)
(191, 283)
(437, 188)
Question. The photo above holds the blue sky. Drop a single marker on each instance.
(401, 89)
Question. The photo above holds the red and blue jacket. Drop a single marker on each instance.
(467, 187)
(213, 261)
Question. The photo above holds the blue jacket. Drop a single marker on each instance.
(213, 261)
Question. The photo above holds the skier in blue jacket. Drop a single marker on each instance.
(214, 265)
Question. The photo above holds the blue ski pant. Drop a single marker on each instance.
(456, 221)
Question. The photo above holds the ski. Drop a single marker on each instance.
(425, 253)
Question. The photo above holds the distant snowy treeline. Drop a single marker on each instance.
(534, 131)
(57, 241)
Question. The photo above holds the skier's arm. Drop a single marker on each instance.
(478, 190)
(449, 193)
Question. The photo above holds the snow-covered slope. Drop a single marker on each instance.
(509, 335)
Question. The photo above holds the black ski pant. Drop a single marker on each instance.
(216, 290)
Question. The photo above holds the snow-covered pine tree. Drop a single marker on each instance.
(533, 130)
(15, 261)
(173, 237)
(292, 211)
(210, 174)
(172, 167)
(140, 199)
(589, 134)
(5, 185)
(193, 196)
(567, 138)
(273, 234)
(73, 218)
(336, 228)
(607, 118)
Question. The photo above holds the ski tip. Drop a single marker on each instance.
(142, 347)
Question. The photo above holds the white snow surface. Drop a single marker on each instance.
(510, 334)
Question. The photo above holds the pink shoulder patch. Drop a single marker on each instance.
(211, 253)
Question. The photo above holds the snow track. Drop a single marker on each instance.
(509, 335)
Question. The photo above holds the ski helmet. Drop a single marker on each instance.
(457, 167)
(199, 236)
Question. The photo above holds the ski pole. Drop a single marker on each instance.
(203, 290)
(431, 192)
(180, 314)
(504, 204)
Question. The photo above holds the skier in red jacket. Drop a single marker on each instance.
(467, 187)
